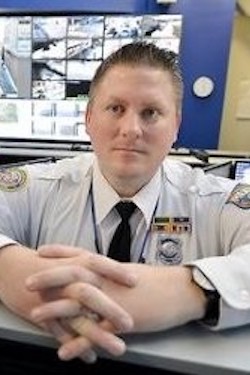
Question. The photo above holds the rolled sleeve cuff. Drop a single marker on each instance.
(230, 277)
(6, 241)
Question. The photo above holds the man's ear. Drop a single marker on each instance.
(175, 137)
(178, 124)
(87, 117)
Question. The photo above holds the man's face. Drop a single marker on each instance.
(132, 122)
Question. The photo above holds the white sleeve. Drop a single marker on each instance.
(230, 276)
(23, 195)
(5, 241)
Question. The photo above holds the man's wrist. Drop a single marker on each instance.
(211, 315)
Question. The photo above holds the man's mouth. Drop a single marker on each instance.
(129, 150)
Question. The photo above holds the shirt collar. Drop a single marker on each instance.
(147, 198)
(105, 197)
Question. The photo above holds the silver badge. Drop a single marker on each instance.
(169, 250)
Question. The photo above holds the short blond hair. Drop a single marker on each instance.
(142, 54)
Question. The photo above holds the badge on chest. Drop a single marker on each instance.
(170, 233)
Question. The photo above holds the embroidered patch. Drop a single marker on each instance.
(12, 179)
(240, 196)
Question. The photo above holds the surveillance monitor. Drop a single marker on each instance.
(242, 170)
(47, 62)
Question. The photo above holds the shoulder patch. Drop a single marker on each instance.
(240, 196)
(12, 179)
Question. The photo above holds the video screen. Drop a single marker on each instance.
(242, 171)
(47, 63)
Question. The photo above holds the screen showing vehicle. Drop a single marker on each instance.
(48, 61)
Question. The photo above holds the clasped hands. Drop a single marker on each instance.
(87, 300)
(76, 310)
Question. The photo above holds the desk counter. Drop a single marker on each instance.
(188, 350)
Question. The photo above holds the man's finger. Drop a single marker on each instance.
(79, 296)
(95, 334)
(100, 264)
(61, 276)
(59, 251)
(111, 269)
(99, 303)
(63, 308)
(84, 352)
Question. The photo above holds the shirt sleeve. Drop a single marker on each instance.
(229, 272)
(13, 206)
(5, 241)
(24, 192)
(230, 276)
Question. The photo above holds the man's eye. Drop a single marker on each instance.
(116, 108)
(150, 114)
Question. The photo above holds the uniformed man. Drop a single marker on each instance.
(189, 232)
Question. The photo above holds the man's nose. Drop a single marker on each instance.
(131, 126)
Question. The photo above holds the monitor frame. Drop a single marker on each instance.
(44, 139)
(239, 168)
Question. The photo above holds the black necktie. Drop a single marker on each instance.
(119, 247)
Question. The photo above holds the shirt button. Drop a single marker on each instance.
(244, 294)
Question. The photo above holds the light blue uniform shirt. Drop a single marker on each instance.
(199, 224)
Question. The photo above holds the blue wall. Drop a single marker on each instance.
(206, 36)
